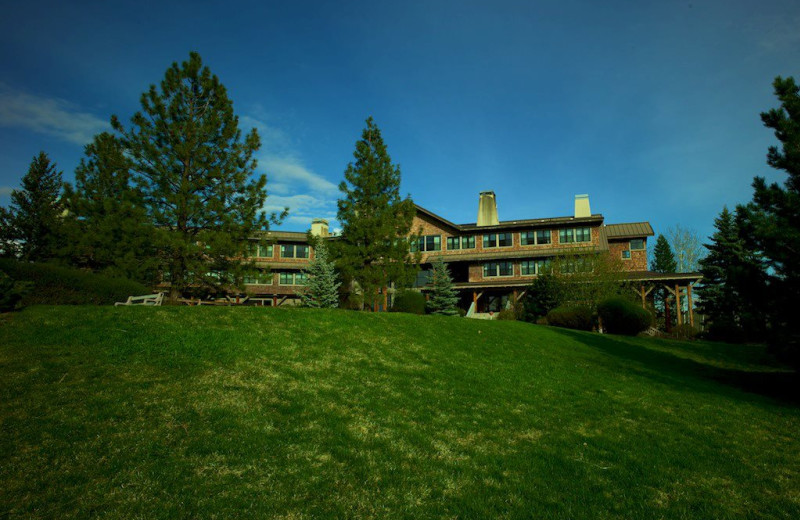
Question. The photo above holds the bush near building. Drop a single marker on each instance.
(621, 316)
(410, 301)
(571, 317)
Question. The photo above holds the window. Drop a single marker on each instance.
(538, 237)
(256, 250)
(498, 269)
(637, 244)
(428, 243)
(497, 240)
(257, 278)
(455, 243)
(292, 278)
(535, 267)
(626, 255)
(570, 235)
(294, 251)
(575, 265)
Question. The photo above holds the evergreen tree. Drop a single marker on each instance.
(733, 281)
(32, 229)
(663, 257)
(107, 228)
(443, 298)
(773, 218)
(374, 247)
(322, 282)
(195, 174)
(663, 262)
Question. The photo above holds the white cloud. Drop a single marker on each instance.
(47, 115)
(291, 183)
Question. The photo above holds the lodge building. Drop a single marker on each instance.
(489, 260)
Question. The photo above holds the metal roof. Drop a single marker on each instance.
(629, 230)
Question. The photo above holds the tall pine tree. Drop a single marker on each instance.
(322, 282)
(107, 228)
(663, 262)
(443, 297)
(376, 222)
(32, 226)
(195, 173)
(732, 293)
(773, 218)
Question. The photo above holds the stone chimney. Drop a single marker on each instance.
(319, 227)
(487, 209)
(582, 206)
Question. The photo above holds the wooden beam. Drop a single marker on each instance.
(644, 295)
(667, 287)
(690, 304)
(678, 303)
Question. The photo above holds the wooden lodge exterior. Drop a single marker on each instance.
(489, 260)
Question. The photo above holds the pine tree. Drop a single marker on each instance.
(195, 174)
(322, 282)
(733, 281)
(32, 227)
(107, 228)
(443, 298)
(773, 218)
(374, 247)
(663, 262)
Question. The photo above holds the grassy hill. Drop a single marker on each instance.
(259, 412)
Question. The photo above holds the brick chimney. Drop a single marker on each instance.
(582, 206)
(487, 209)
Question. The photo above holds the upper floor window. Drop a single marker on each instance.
(497, 240)
(637, 244)
(570, 235)
(427, 243)
(626, 255)
(257, 250)
(498, 269)
(531, 267)
(294, 250)
(575, 265)
(466, 242)
(535, 238)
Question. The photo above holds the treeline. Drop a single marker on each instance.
(751, 275)
(173, 197)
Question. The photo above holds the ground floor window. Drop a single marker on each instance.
(292, 278)
(535, 267)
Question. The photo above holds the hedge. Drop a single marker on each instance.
(407, 300)
(576, 317)
(621, 316)
(58, 285)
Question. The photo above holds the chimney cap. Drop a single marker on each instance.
(319, 221)
(489, 192)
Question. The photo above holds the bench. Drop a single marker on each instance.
(147, 299)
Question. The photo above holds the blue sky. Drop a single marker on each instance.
(652, 108)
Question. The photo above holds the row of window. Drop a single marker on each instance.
(284, 278)
(527, 268)
(493, 240)
(287, 250)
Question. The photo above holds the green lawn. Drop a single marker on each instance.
(282, 413)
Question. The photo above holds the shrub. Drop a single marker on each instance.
(57, 285)
(621, 316)
(575, 317)
(684, 331)
(507, 314)
(11, 292)
(408, 300)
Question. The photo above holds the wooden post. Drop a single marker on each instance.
(678, 303)
(689, 302)
(641, 290)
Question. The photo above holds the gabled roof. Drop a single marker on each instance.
(629, 230)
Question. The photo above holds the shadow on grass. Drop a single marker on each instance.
(782, 386)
